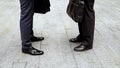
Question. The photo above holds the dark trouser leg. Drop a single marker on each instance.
(26, 21)
(88, 24)
(80, 36)
(32, 33)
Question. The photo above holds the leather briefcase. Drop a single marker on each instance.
(75, 10)
(41, 6)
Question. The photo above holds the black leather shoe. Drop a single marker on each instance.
(75, 40)
(32, 51)
(82, 47)
(35, 39)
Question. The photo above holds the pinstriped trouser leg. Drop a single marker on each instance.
(26, 21)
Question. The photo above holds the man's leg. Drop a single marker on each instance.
(26, 23)
(32, 32)
(79, 38)
(89, 22)
(87, 28)
(34, 38)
